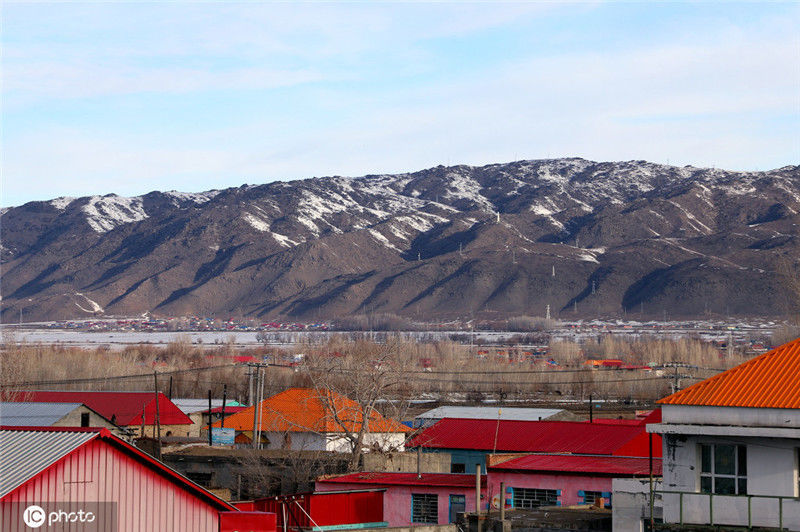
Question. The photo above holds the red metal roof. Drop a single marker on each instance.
(570, 463)
(452, 480)
(529, 436)
(771, 380)
(124, 408)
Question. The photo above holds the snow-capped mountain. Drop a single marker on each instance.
(584, 237)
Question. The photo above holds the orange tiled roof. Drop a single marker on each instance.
(303, 410)
(771, 380)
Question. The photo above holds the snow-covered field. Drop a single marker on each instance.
(739, 331)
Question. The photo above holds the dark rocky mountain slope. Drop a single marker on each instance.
(586, 238)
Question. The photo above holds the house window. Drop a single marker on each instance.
(723, 469)
(591, 497)
(84, 419)
(458, 468)
(425, 508)
(533, 497)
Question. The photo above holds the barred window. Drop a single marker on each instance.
(590, 497)
(534, 497)
(424, 508)
(723, 469)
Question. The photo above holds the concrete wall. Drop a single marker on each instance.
(174, 430)
(569, 485)
(466, 457)
(632, 504)
(772, 469)
(311, 441)
(73, 419)
(397, 500)
(407, 462)
(746, 417)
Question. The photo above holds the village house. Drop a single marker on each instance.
(304, 419)
(135, 411)
(732, 446)
(26, 414)
(198, 412)
(411, 498)
(468, 441)
(52, 473)
(537, 480)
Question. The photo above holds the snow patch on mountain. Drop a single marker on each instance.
(104, 213)
(382, 239)
(62, 202)
(256, 223)
(195, 197)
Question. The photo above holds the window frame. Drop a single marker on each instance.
(527, 498)
(425, 499)
(709, 480)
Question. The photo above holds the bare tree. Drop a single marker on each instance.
(356, 382)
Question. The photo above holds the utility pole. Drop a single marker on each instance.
(224, 400)
(210, 441)
(547, 313)
(158, 416)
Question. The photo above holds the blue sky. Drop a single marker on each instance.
(133, 97)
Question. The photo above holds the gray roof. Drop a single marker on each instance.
(489, 412)
(190, 406)
(34, 414)
(26, 453)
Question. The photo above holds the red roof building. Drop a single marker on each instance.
(411, 499)
(62, 470)
(122, 408)
(562, 479)
(469, 440)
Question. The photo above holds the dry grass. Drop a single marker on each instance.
(417, 369)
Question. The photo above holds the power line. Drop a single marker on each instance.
(114, 377)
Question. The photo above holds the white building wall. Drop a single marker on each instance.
(631, 508)
(772, 470)
(788, 418)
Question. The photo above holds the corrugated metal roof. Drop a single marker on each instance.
(191, 406)
(488, 412)
(771, 380)
(527, 436)
(34, 414)
(25, 453)
(569, 463)
(123, 408)
(455, 480)
(303, 410)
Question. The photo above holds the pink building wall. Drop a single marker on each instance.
(569, 484)
(98, 472)
(397, 500)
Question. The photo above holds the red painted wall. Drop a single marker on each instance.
(146, 501)
(326, 508)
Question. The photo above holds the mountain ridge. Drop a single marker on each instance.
(443, 242)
